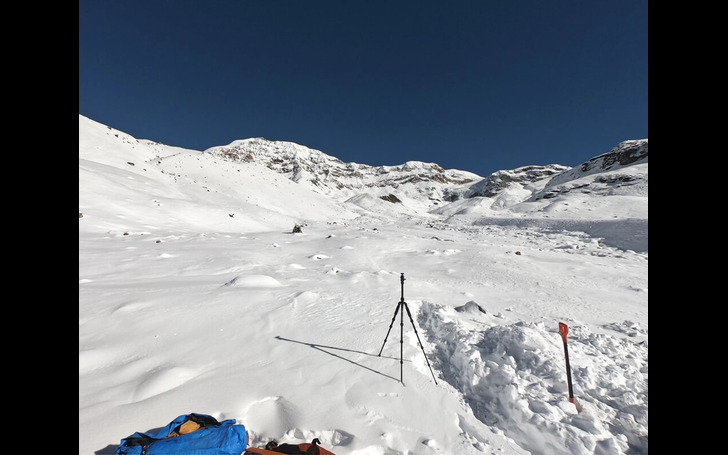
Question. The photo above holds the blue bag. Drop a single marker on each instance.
(189, 434)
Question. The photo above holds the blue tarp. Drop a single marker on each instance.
(212, 438)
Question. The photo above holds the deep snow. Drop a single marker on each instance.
(195, 296)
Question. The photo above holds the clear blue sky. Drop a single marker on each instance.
(479, 85)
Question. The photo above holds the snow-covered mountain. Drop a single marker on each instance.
(430, 186)
(330, 175)
(349, 189)
(196, 296)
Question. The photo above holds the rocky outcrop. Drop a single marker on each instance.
(328, 174)
(523, 176)
(626, 153)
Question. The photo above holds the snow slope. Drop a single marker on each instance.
(195, 296)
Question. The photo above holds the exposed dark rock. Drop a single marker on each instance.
(391, 198)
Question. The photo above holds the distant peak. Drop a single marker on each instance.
(626, 153)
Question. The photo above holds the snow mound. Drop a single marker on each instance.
(514, 378)
(254, 281)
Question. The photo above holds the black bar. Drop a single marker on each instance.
(568, 372)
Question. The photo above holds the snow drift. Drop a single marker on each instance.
(195, 296)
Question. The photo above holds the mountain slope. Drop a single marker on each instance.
(155, 186)
(195, 296)
(346, 190)
(605, 197)
(418, 185)
(427, 187)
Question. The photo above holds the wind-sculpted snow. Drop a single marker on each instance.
(625, 234)
(513, 377)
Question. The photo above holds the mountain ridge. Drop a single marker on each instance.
(329, 175)
(229, 178)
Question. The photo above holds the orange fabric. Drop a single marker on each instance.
(189, 427)
(261, 451)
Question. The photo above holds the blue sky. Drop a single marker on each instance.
(472, 85)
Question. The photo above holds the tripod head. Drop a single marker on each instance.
(401, 280)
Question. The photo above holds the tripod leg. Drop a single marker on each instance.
(390, 328)
(401, 340)
(418, 340)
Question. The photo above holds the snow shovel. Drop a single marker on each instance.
(564, 329)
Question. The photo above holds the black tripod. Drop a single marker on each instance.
(402, 303)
